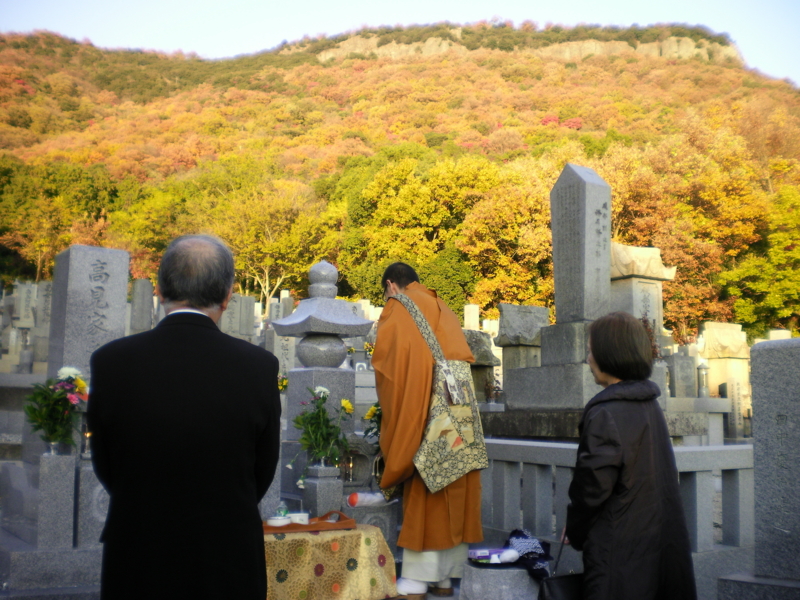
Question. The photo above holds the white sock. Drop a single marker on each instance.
(445, 583)
(411, 586)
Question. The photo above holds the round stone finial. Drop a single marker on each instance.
(323, 277)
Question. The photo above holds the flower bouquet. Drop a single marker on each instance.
(283, 382)
(322, 436)
(373, 417)
(52, 408)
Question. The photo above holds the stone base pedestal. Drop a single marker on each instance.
(749, 587)
(554, 386)
(385, 517)
(565, 343)
(497, 584)
(24, 567)
(552, 425)
(323, 491)
(39, 501)
(491, 407)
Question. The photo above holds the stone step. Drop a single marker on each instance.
(87, 592)
(26, 569)
(366, 396)
(365, 379)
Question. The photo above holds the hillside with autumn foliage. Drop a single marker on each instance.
(434, 145)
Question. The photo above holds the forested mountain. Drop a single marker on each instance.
(437, 146)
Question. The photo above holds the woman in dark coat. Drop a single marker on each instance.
(625, 509)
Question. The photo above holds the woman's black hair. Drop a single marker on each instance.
(621, 346)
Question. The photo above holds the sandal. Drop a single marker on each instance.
(440, 591)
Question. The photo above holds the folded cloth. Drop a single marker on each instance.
(533, 554)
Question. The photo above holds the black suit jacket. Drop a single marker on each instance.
(185, 424)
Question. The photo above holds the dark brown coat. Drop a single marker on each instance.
(626, 512)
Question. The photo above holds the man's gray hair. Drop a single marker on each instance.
(196, 270)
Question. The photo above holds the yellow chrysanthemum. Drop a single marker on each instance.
(347, 406)
(371, 412)
(80, 384)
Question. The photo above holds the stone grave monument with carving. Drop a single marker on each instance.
(53, 505)
(546, 379)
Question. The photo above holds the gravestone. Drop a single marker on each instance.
(274, 310)
(519, 336)
(90, 289)
(776, 455)
(247, 318)
(141, 306)
(482, 369)
(283, 347)
(472, 317)
(682, 374)
(230, 321)
(727, 353)
(636, 282)
(48, 500)
(24, 303)
(580, 207)
(41, 331)
(287, 303)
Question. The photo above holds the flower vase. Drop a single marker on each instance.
(52, 448)
(323, 490)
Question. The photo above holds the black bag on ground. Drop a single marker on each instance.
(561, 587)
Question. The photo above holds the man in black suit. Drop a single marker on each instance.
(184, 424)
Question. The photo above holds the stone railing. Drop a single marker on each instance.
(527, 483)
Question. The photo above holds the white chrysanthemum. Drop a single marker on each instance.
(319, 391)
(65, 373)
(301, 484)
(289, 466)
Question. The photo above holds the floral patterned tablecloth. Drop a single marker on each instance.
(349, 564)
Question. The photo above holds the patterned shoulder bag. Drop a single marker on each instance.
(453, 443)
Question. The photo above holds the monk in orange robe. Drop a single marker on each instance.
(436, 527)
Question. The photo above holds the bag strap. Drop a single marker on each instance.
(456, 395)
(423, 325)
(558, 558)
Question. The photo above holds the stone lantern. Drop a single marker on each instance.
(321, 321)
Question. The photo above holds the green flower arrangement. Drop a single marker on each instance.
(52, 408)
(322, 436)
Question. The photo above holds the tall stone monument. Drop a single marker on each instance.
(776, 455)
(90, 289)
(40, 334)
(141, 306)
(53, 505)
(580, 206)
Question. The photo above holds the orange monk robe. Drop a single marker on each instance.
(403, 366)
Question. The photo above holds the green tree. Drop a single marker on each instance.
(765, 285)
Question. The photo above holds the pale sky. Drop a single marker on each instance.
(765, 31)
